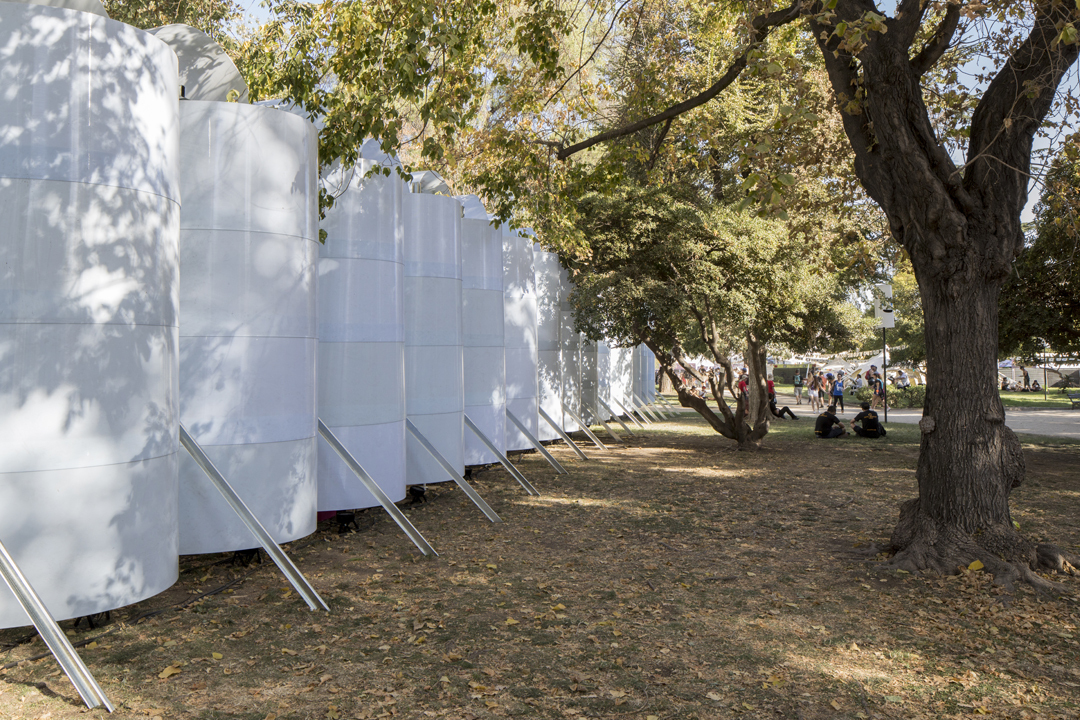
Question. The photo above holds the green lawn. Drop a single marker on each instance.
(1054, 399)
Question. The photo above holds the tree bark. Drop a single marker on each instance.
(961, 228)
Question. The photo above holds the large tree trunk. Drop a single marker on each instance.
(961, 229)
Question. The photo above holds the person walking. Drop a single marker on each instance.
(812, 391)
(838, 393)
(797, 380)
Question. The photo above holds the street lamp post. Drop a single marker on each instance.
(883, 311)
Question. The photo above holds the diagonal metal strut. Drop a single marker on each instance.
(55, 639)
(562, 433)
(503, 460)
(537, 444)
(445, 465)
(584, 427)
(372, 487)
(290, 571)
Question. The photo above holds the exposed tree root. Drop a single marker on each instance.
(924, 545)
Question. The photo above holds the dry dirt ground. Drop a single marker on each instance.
(668, 578)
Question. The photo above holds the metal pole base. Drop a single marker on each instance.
(536, 444)
(461, 482)
(298, 581)
(562, 433)
(503, 460)
(372, 487)
(55, 639)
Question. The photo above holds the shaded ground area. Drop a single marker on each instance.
(672, 578)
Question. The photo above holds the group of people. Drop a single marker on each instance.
(820, 385)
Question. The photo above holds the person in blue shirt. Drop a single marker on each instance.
(837, 392)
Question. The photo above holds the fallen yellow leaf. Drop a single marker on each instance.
(714, 696)
(287, 651)
(617, 693)
(511, 621)
(836, 705)
(169, 672)
(977, 565)
(216, 656)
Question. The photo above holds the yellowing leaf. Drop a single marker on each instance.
(216, 656)
(714, 696)
(511, 621)
(168, 643)
(560, 606)
(490, 566)
(617, 693)
(976, 565)
(835, 705)
(91, 646)
(287, 651)
(169, 672)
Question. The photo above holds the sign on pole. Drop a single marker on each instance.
(883, 307)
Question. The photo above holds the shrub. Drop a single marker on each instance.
(909, 397)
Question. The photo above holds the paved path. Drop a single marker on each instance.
(1058, 423)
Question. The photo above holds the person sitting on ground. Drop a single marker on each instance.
(780, 413)
(870, 428)
(828, 425)
(1035, 386)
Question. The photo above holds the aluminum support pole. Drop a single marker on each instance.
(503, 460)
(562, 433)
(584, 427)
(651, 412)
(600, 419)
(55, 639)
(628, 413)
(298, 581)
(615, 415)
(372, 487)
(461, 482)
(638, 411)
(536, 444)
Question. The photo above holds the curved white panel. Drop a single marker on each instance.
(88, 309)
(88, 6)
(434, 379)
(248, 253)
(590, 380)
(86, 99)
(206, 72)
(482, 324)
(276, 482)
(238, 145)
(548, 319)
(362, 336)
(570, 367)
(519, 322)
(622, 377)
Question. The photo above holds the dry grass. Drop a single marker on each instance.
(673, 578)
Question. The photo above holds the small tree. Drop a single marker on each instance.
(669, 269)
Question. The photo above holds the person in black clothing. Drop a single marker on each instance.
(871, 428)
(780, 413)
(828, 425)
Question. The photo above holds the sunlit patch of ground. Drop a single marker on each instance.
(671, 578)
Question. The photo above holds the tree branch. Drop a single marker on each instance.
(1012, 109)
(762, 24)
(589, 60)
(936, 46)
(655, 154)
